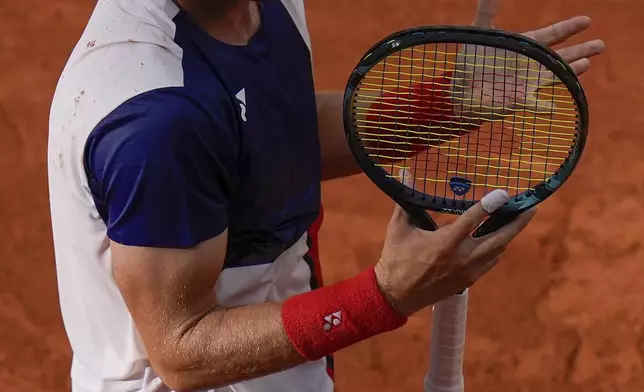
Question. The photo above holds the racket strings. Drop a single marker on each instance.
(462, 73)
(414, 97)
(508, 123)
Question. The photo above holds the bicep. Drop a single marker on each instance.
(168, 290)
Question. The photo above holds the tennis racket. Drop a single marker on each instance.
(463, 111)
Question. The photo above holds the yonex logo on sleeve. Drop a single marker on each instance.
(241, 97)
(333, 320)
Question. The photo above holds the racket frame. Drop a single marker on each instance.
(416, 203)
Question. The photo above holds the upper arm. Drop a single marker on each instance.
(161, 172)
(161, 179)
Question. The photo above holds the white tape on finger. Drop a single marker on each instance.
(447, 345)
(494, 200)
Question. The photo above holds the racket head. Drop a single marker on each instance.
(524, 197)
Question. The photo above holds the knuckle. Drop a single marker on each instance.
(448, 237)
(501, 249)
(443, 250)
(555, 32)
(471, 279)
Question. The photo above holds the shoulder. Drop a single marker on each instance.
(119, 56)
(296, 9)
(159, 141)
(165, 114)
(127, 74)
(159, 124)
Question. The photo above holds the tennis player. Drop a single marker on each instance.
(187, 146)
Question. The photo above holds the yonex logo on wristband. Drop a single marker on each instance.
(333, 320)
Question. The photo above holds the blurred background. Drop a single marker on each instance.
(564, 311)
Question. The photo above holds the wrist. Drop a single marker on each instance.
(386, 287)
(390, 287)
(323, 321)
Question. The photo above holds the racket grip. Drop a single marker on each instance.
(494, 223)
(447, 345)
(419, 217)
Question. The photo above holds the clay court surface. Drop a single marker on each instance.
(563, 312)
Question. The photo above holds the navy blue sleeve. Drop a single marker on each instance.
(161, 171)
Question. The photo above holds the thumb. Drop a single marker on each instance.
(486, 11)
(539, 106)
(533, 103)
(475, 215)
(537, 80)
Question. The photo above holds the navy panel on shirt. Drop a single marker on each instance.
(236, 147)
(161, 171)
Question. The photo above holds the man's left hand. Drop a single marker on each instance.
(578, 56)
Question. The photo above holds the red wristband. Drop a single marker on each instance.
(323, 321)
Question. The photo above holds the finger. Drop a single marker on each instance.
(483, 266)
(463, 227)
(560, 31)
(582, 51)
(399, 215)
(493, 242)
(486, 11)
(580, 67)
(537, 105)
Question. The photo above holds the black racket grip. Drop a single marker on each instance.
(495, 222)
(419, 217)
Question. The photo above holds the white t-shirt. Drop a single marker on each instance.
(144, 81)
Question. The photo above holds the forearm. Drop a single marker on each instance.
(226, 346)
(337, 159)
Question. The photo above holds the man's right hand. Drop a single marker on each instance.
(419, 268)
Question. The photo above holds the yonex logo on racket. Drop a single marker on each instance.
(460, 186)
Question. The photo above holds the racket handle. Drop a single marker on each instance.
(419, 217)
(494, 223)
(447, 345)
